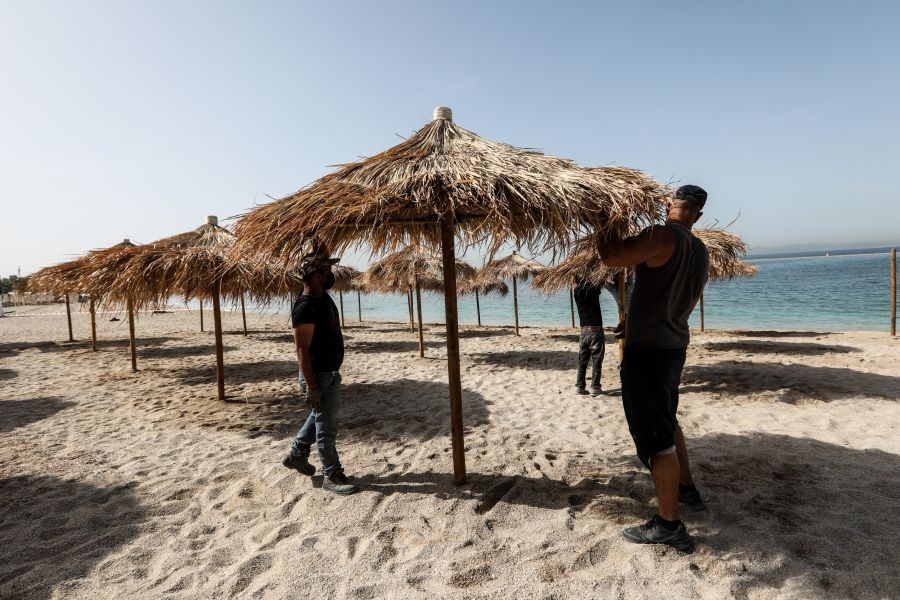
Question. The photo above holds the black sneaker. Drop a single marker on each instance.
(692, 500)
(300, 463)
(581, 391)
(653, 532)
(595, 391)
(338, 483)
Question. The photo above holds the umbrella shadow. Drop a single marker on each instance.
(19, 413)
(181, 351)
(57, 530)
(483, 333)
(8, 374)
(778, 334)
(139, 342)
(391, 345)
(798, 381)
(822, 507)
(529, 359)
(770, 347)
(239, 373)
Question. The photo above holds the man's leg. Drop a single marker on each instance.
(598, 349)
(685, 477)
(584, 356)
(666, 474)
(327, 424)
(298, 456)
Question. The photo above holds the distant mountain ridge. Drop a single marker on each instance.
(761, 251)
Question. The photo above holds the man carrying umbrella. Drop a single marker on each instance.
(671, 268)
(320, 351)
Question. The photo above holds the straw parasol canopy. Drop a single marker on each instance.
(445, 183)
(482, 285)
(347, 279)
(77, 276)
(726, 251)
(515, 267)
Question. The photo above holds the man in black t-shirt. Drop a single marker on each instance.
(319, 345)
(592, 343)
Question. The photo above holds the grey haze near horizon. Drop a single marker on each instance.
(138, 119)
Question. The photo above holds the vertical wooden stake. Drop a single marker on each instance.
(359, 305)
(244, 315)
(131, 343)
(516, 303)
(419, 308)
(201, 315)
(622, 313)
(478, 308)
(93, 326)
(456, 419)
(572, 305)
(341, 299)
(702, 315)
(893, 291)
(69, 317)
(217, 324)
(412, 326)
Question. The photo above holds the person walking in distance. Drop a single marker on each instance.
(319, 345)
(671, 268)
(592, 343)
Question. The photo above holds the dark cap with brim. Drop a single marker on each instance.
(692, 194)
(313, 262)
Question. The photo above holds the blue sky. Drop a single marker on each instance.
(137, 119)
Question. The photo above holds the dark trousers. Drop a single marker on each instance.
(591, 349)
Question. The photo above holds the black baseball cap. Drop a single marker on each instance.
(311, 263)
(692, 194)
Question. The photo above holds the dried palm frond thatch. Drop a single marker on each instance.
(514, 267)
(726, 251)
(346, 279)
(480, 285)
(443, 183)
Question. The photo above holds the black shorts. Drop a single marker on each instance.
(650, 379)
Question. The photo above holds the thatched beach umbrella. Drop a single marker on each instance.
(726, 251)
(414, 268)
(515, 267)
(482, 285)
(76, 276)
(346, 279)
(442, 184)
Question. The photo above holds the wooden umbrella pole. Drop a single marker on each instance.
(244, 315)
(893, 291)
(131, 343)
(702, 315)
(69, 317)
(621, 314)
(478, 308)
(412, 326)
(456, 419)
(341, 300)
(217, 323)
(359, 305)
(201, 315)
(572, 306)
(93, 325)
(516, 303)
(419, 309)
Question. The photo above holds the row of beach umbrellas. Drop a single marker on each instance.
(442, 187)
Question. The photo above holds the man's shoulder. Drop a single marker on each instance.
(305, 307)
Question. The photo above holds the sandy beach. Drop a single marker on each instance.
(116, 484)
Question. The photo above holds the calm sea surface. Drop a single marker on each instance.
(814, 292)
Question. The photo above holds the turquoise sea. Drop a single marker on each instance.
(823, 293)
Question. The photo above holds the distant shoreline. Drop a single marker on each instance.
(823, 253)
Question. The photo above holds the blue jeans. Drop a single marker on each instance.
(321, 425)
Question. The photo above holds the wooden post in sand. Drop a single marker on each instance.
(419, 309)
(93, 325)
(359, 305)
(244, 315)
(621, 315)
(69, 317)
(448, 252)
(893, 291)
(341, 300)
(412, 326)
(478, 308)
(217, 323)
(131, 343)
(702, 321)
(516, 303)
(572, 305)
(201, 315)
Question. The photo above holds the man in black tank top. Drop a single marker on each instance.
(671, 268)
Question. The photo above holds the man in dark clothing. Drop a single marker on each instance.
(319, 345)
(592, 344)
(671, 269)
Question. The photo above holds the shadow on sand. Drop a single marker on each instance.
(18, 413)
(6, 374)
(800, 381)
(181, 351)
(239, 373)
(778, 334)
(391, 345)
(55, 530)
(529, 359)
(787, 348)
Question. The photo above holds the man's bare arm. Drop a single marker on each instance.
(653, 246)
(303, 335)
